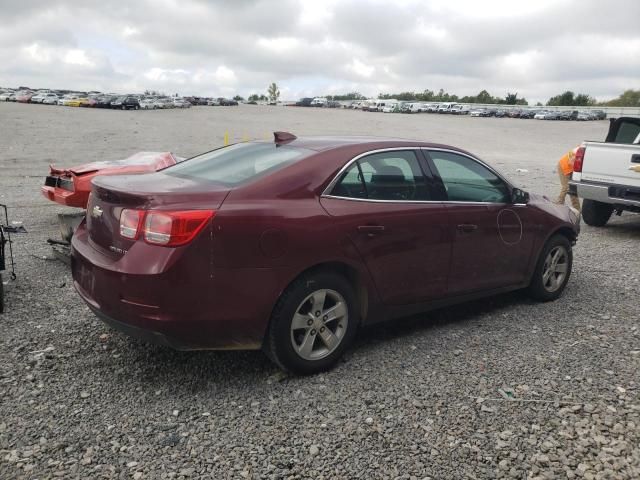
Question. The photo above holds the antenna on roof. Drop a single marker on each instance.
(281, 138)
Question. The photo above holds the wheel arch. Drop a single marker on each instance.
(349, 271)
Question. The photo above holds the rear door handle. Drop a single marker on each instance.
(635, 158)
(467, 227)
(371, 230)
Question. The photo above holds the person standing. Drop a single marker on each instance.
(565, 169)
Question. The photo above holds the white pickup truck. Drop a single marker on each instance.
(607, 174)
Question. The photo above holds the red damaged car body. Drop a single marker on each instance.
(71, 186)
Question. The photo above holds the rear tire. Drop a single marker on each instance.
(313, 323)
(596, 214)
(552, 270)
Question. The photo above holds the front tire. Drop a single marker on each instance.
(596, 214)
(313, 323)
(552, 270)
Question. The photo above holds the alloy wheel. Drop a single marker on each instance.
(555, 269)
(319, 324)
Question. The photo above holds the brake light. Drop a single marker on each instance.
(166, 228)
(578, 159)
(130, 221)
(172, 229)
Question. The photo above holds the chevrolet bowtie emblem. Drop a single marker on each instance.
(96, 212)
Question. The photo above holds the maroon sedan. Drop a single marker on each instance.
(290, 246)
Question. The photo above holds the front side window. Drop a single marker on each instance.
(392, 175)
(466, 180)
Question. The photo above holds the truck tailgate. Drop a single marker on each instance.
(609, 163)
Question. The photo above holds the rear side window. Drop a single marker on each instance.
(392, 175)
(239, 163)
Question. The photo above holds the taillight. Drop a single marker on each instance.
(166, 228)
(174, 228)
(130, 221)
(578, 159)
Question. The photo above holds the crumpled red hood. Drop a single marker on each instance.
(139, 162)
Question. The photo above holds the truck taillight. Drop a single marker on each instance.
(166, 228)
(578, 159)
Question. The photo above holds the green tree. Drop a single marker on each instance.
(273, 92)
(569, 98)
(511, 99)
(238, 98)
(630, 98)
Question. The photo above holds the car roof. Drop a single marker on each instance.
(365, 143)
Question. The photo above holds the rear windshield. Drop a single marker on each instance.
(238, 163)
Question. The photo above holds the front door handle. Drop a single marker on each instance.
(467, 228)
(371, 230)
(635, 158)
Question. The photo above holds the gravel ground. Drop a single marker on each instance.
(502, 388)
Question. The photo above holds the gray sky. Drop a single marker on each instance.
(220, 48)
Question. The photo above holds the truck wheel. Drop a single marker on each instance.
(312, 324)
(596, 214)
(552, 270)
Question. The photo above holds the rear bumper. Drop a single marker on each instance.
(65, 197)
(611, 194)
(174, 298)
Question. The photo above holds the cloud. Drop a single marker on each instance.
(205, 47)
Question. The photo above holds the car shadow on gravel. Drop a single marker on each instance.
(463, 314)
(158, 366)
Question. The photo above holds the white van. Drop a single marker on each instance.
(446, 107)
(381, 104)
(319, 102)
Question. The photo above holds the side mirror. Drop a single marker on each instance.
(519, 196)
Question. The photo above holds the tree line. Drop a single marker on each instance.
(629, 98)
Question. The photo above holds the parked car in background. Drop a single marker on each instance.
(38, 96)
(181, 103)
(148, 104)
(71, 186)
(187, 257)
(304, 102)
(599, 114)
(479, 112)
(460, 110)
(389, 106)
(24, 96)
(50, 99)
(319, 102)
(77, 101)
(4, 95)
(104, 101)
(127, 102)
(528, 114)
(227, 102)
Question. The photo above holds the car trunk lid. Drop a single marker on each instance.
(155, 191)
